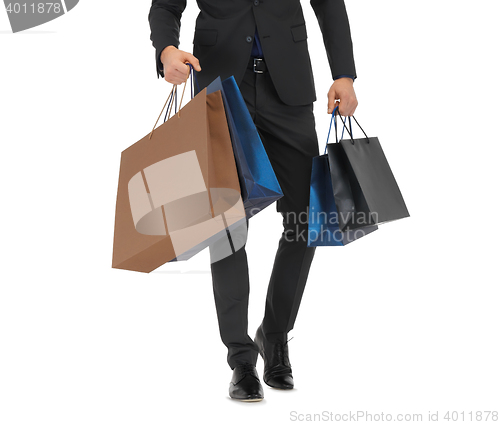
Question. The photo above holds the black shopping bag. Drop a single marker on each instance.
(376, 197)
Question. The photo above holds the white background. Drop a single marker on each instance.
(402, 321)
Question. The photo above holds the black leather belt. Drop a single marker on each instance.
(257, 65)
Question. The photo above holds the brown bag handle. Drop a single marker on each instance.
(174, 87)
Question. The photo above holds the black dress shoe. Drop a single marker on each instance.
(245, 384)
(277, 367)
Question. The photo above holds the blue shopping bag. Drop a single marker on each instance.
(258, 182)
(323, 227)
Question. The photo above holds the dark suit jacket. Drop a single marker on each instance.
(224, 35)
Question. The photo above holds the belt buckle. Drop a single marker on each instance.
(255, 62)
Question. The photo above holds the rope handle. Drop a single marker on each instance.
(334, 120)
(170, 98)
(193, 81)
(350, 126)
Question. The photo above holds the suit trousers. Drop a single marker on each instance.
(289, 137)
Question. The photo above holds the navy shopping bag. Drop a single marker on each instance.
(324, 217)
(258, 182)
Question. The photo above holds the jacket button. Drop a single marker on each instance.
(256, 2)
(249, 39)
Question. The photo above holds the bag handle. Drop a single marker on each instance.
(334, 120)
(193, 81)
(350, 126)
(170, 98)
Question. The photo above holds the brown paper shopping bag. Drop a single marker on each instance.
(178, 189)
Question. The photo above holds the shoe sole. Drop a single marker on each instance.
(278, 388)
(247, 399)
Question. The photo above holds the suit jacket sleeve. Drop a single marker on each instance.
(334, 25)
(165, 23)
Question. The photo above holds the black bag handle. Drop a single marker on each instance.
(350, 126)
(349, 130)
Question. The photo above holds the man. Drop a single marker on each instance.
(263, 44)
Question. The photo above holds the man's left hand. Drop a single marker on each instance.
(342, 94)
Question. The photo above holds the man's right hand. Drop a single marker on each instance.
(175, 66)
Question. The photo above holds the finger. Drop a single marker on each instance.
(193, 61)
(183, 70)
(179, 75)
(331, 102)
(177, 82)
(172, 80)
(343, 108)
(188, 72)
(189, 58)
(333, 106)
(355, 105)
(348, 106)
(351, 107)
